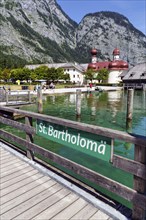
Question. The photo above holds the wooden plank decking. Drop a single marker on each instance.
(26, 193)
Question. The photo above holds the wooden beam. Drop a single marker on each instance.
(15, 124)
(106, 132)
(23, 127)
(130, 166)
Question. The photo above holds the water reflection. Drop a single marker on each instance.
(115, 103)
(107, 109)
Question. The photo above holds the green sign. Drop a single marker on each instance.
(85, 142)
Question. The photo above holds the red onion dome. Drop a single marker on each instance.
(124, 65)
(92, 66)
(116, 51)
(118, 64)
(114, 65)
(94, 52)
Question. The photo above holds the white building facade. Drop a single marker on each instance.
(75, 71)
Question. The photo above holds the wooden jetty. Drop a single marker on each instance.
(16, 97)
(27, 192)
(45, 125)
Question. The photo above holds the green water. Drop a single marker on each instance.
(106, 109)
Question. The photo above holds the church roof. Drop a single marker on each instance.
(99, 65)
(77, 66)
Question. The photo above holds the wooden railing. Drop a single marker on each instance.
(137, 167)
(15, 97)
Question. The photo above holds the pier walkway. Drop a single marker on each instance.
(30, 191)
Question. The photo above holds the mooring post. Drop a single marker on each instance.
(139, 183)
(7, 99)
(78, 102)
(130, 95)
(39, 98)
(130, 104)
(144, 99)
(29, 96)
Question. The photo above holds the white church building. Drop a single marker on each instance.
(115, 67)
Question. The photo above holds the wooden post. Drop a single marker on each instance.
(17, 96)
(78, 102)
(144, 99)
(130, 104)
(29, 138)
(29, 96)
(7, 99)
(139, 183)
(40, 102)
(130, 96)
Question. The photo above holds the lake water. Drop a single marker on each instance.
(106, 109)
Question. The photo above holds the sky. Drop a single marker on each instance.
(134, 10)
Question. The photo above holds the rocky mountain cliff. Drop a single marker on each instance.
(38, 31)
(107, 30)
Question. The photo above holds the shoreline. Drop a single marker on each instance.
(83, 89)
(62, 91)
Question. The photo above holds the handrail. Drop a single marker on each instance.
(17, 95)
(136, 167)
(107, 132)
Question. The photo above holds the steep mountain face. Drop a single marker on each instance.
(38, 31)
(107, 30)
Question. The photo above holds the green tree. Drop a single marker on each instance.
(33, 75)
(51, 74)
(41, 72)
(102, 75)
(66, 77)
(15, 74)
(90, 74)
(1, 77)
(60, 73)
(25, 74)
(6, 74)
(54, 74)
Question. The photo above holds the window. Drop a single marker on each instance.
(143, 74)
(132, 74)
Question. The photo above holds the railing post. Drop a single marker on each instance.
(29, 138)
(139, 183)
